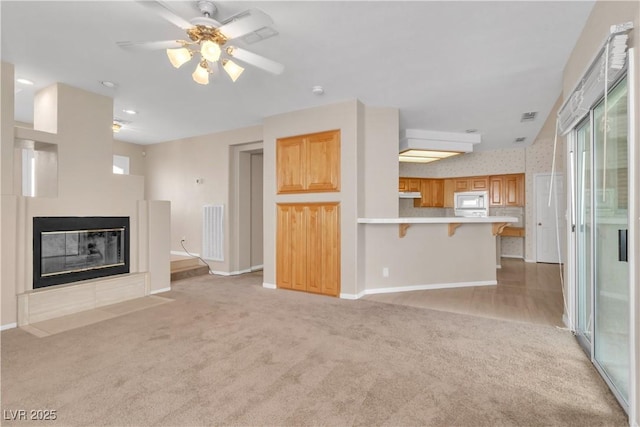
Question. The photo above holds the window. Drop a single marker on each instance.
(120, 165)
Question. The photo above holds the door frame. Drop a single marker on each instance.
(560, 198)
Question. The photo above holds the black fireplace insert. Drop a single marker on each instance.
(70, 249)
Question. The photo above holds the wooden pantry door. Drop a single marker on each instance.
(308, 247)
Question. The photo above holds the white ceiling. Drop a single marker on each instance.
(447, 66)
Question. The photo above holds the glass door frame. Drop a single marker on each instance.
(572, 144)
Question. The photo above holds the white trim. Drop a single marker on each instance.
(512, 256)
(530, 260)
(159, 291)
(257, 267)
(231, 273)
(498, 265)
(565, 320)
(417, 288)
(353, 296)
(8, 326)
(430, 286)
(632, 137)
(269, 285)
(181, 253)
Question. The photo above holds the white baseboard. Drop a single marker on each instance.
(8, 326)
(231, 273)
(257, 267)
(181, 253)
(429, 287)
(498, 265)
(530, 260)
(269, 285)
(565, 320)
(159, 291)
(353, 296)
(512, 256)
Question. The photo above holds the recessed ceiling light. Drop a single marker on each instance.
(132, 112)
(107, 83)
(317, 90)
(25, 82)
(471, 130)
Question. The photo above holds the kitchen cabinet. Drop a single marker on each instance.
(432, 192)
(409, 184)
(479, 183)
(506, 190)
(308, 247)
(308, 163)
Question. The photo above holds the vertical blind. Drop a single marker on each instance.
(605, 69)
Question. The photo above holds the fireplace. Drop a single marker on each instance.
(70, 249)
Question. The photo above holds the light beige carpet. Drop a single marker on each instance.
(228, 352)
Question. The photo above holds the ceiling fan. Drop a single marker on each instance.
(210, 40)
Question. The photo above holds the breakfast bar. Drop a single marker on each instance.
(416, 253)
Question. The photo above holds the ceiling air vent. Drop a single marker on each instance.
(519, 140)
(529, 117)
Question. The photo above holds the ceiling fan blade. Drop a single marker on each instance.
(244, 23)
(160, 45)
(256, 60)
(167, 13)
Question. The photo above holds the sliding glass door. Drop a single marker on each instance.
(602, 270)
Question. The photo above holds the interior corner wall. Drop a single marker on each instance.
(136, 154)
(343, 116)
(172, 169)
(257, 231)
(603, 15)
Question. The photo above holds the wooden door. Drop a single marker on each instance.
(496, 186)
(437, 193)
(308, 247)
(514, 190)
(479, 183)
(290, 169)
(323, 161)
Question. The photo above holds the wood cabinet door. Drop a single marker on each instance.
(414, 184)
(437, 193)
(448, 187)
(496, 188)
(425, 195)
(323, 161)
(403, 184)
(461, 184)
(308, 247)
(290, 165)
(479, 183)
(514, 190)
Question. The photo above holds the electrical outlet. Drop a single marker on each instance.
(385, 271)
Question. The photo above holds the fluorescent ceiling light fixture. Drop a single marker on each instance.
(179, 57)
(232, 69)
(436, 145)
(25, 82)
(416, 159)
(429, 153)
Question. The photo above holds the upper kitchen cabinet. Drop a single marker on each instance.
(506, 190)
(308, 163)
(432, 192)
(409, 184)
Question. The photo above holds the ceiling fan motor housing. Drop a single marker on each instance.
(207, 8)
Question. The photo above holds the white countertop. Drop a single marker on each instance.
(439, 220)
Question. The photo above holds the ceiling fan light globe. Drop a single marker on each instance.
(210, 50)
(201, 75)
(233, 70)
(179, 57)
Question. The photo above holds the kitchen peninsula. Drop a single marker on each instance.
(416, 253)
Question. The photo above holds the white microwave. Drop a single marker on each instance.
(471, 203)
